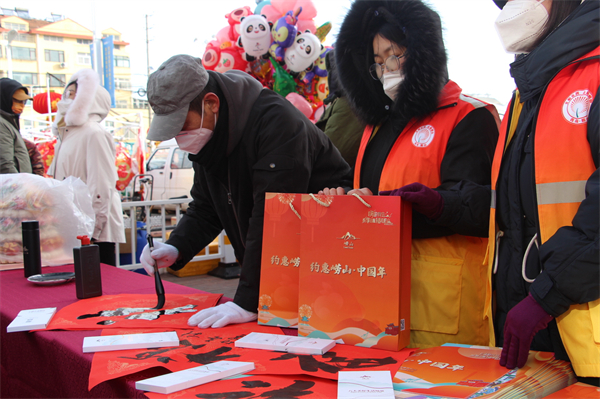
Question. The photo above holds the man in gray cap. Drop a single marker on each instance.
(244, 140)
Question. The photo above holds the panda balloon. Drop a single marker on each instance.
(255, 36)
(303, 53)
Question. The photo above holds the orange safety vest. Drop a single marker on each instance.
(448, 289)
(560, 186)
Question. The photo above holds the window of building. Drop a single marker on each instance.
(58, 80)
(117, 47)
(53, 38)
(109, 123)
(15, 26)
(116, 38)
(84, 59)
(26, 122)
(140, 104)
(122, 84)
(121, 61)
(1, 52)
(54, 55)
(21, 37)
(26, 78)
(84, 41)
(122, 104)
(23, 53)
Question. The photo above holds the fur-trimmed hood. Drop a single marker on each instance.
(424, 68)
(91, 100)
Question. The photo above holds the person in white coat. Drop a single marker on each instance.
(87, 151)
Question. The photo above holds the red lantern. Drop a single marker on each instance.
(40, 102)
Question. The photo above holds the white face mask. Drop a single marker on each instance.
(391, 81)
(520, 24)
(64, 105)
(193, 141)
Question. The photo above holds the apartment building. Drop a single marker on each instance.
(43, 54)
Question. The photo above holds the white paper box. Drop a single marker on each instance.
(286, 343)
(31, 319)
(184, 379)
(365, 384)
(130, 341)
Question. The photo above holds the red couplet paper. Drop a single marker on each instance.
(131, 311)
(263, 386)
(202, 346)
(197, 347)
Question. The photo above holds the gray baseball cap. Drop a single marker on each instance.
(170, 91)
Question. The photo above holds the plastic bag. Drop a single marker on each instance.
(63, 209)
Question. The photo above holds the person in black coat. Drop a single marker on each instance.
(546, 168)
(244, 140)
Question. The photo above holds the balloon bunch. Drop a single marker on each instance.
(280, 45)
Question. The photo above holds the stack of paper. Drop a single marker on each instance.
(465, 372)
(286, 343)
(31, 319)
(130, 341)
(184, 379)
(541, 376)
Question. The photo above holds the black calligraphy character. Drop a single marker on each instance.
(212, 356)
(332, 363)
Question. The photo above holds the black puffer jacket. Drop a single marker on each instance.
(570, 258)
(262, 143)
(465, 170)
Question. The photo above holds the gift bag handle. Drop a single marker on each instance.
(326, 205)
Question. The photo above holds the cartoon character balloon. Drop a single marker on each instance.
(278, 8)
(320, 67)
(230, 58)
(212, 55)
(255, 37)
(234, 19)
(303, 53)
(284, 32)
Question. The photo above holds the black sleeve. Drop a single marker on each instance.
(570, 258)
(465, 174)
(199, 225)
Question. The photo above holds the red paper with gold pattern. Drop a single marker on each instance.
(259, 386)
(355, 270)
(131, 311)
(278, 297)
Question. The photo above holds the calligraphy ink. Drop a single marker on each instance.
(32, 256)
(88, 282)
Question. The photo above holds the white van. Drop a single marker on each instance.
(172, 171)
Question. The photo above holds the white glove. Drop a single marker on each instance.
(163, 255)
(221, 315)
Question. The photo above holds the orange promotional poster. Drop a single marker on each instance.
(355, 270)
(278, 297)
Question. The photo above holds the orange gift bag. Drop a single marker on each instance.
(278, 298)
(355, 271)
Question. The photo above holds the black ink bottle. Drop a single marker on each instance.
(32, 255)
(88, 281)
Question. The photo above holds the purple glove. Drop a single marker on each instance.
(522, 323)
(425, 200)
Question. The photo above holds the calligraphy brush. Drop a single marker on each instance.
(160, 290)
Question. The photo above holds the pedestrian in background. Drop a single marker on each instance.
(85, 149)
(544, 221)
(14, 157)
